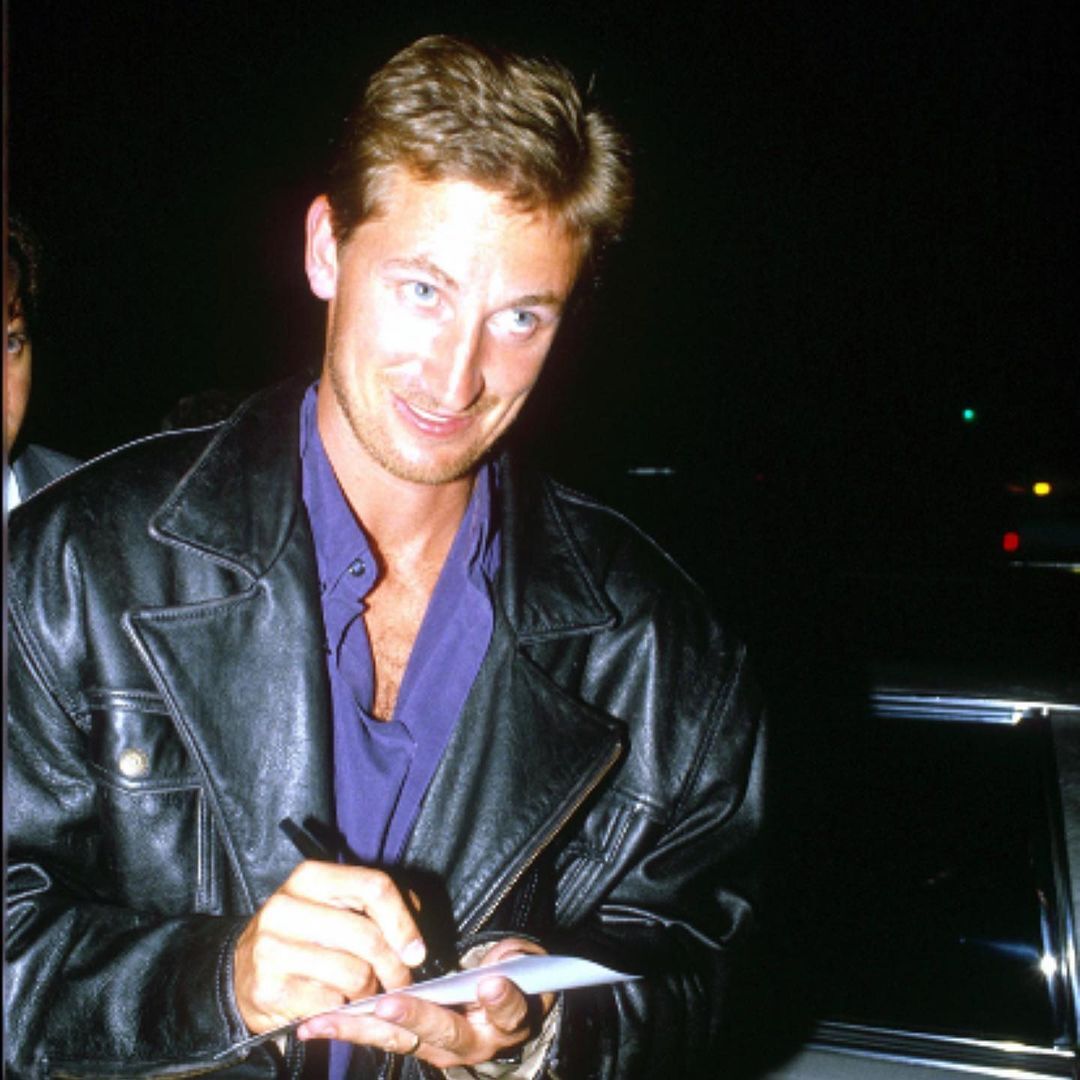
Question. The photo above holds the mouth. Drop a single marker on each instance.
(433, 424)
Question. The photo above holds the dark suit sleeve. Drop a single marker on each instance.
(36, 466)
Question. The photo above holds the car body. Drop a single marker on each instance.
(942, 933)
(922, 850)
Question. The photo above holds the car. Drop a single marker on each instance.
(941, 931)
(1041, 521)
(922, 848)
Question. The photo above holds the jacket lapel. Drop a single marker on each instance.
(526, 752)
(524, 755)
(241, 669)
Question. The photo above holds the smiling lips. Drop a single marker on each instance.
(430, 423)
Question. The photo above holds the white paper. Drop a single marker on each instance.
(531, 974)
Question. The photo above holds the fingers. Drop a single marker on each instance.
(329, 934)
(505, 950)
(499, 1020)
(365, 890)
(505, 1007)
(446, 1037)
(350, 934)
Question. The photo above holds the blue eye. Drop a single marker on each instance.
(422, 292)
(520, 323)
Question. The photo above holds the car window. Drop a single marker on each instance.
(934, 903)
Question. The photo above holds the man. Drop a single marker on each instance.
(26, 467)
(511, 718)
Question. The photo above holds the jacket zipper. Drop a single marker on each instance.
(572, 809)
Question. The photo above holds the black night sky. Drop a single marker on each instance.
(854, 220)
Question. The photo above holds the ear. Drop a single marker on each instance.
(320, 250)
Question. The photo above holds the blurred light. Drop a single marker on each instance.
(1041, 487)
(1048, 966)
(650, 470)
(1010, 541)
(969, 415)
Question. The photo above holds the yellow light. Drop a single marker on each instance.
(1041, 488)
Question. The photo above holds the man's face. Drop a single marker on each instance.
(442, 311)
(17, 359)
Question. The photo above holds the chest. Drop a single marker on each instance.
(395, 610)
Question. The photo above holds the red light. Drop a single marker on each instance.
(1010, 541)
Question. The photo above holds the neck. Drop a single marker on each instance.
(407, 522)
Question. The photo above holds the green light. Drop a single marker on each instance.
(969, 415)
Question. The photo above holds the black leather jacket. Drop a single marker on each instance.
(168, 707)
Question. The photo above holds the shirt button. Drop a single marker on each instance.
(356, 567)
(134, 763)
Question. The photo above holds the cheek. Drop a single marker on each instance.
(395, 336)
(17, 380)
(16, 396)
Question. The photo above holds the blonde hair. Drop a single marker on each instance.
(446, 108)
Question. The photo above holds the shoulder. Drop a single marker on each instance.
(115, 494)
(82, 546)
(633, 570)
(577, 566)
(99, 494)
(155, 521)
(37, 466)
(661, 658)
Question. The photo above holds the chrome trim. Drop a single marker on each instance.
(953, 1052)
(1065, 741)
(941, 1066)
(941, 706)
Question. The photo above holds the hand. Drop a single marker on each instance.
(328, 935)
(498, 1021)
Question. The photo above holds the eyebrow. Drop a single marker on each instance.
(547, 299)
(423, 263)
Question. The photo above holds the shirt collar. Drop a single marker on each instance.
(340, 540)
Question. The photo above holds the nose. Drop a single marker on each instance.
(456, 378)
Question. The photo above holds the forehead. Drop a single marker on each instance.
(468, 226)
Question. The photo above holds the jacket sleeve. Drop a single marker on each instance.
(679, 909)
(95, 986)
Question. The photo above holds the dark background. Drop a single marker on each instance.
(854, 219)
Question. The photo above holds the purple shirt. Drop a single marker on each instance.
(382, 768)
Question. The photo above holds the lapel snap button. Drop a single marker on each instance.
(134, 763)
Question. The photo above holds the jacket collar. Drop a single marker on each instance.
(238, 503)
(251, 466)
(546, 587)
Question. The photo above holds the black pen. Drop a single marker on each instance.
(311, 847)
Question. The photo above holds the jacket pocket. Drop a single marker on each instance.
(613, 836)
(158, 842)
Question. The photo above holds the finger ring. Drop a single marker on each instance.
(415, 1046)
